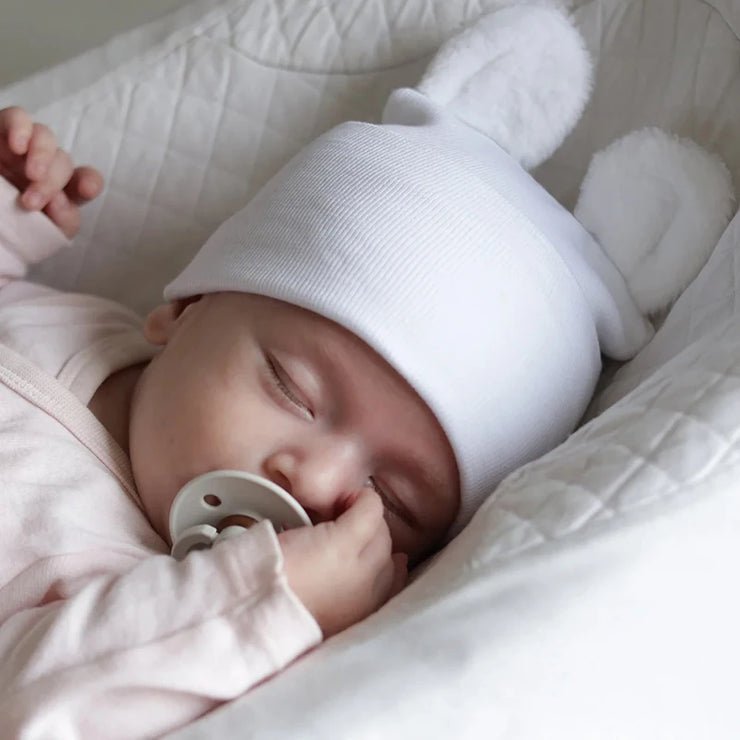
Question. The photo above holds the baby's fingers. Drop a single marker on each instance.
(359, 524)
(58, 172)
(85, 184)
(16, 128)
(42, 149)
(64, 214)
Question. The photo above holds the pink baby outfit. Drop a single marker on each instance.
(102, 634)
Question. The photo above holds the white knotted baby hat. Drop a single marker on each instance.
(429, 241)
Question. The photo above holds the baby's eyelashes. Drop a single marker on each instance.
(390, 502)
(288, 388)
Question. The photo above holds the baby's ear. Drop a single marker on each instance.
(658, 205)
(521, 75)
(160, 324)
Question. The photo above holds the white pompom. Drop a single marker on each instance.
(657, 204)
(521, 75)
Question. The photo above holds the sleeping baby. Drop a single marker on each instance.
(398, 319)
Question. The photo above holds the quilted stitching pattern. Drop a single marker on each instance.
(333, 36)
(189, 129)
(184, 142)
(674, 438)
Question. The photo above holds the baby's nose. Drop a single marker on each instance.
(324, 478)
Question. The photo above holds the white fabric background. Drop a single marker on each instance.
(595, 594)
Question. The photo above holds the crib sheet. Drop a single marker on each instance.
(593, 595)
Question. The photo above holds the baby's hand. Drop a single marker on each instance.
(44, 174)
(343, 570)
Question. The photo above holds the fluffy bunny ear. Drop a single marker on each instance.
(521, 75)
(658, 205)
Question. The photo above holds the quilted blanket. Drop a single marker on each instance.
(595, 593)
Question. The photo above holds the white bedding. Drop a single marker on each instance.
(594, 596)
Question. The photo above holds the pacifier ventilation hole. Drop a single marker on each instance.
(212, 500)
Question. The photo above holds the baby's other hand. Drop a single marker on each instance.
(343, 570)
(43, 173)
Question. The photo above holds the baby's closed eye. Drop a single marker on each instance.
(289, 389)
(392, 502)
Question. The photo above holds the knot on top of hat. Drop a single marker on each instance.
(521, 75)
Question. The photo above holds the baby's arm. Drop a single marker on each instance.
(140, 654)
(37, 177)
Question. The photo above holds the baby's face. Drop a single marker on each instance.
(250, 383)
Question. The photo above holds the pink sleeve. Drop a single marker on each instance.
(140, 654)
(26, 237)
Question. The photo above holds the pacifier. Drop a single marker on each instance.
(205, 509)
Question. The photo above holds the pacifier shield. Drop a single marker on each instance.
(212, 497)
